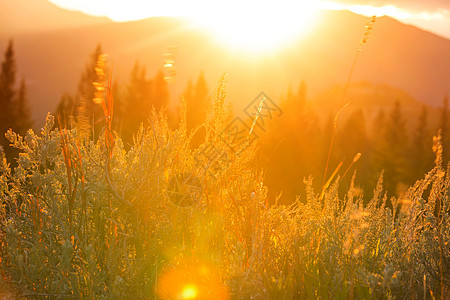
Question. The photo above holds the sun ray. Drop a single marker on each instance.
(258, 26)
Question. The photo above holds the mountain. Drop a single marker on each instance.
(25, 16)
(400, 55)
(370, 98)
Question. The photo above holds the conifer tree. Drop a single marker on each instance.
(189, 90)
(65, 111)
(445, 130)
(7, 93)
(137, 105)
(326, 143)
(378, 146)
(23, 120)
(81, 110)
(141, 96)
(352, 138)
(87, 112)
(292, 147)
(421, 151)
(159, 96)
(197, 104)
(8, 75)
(295, 102)
(14, 110)
(391, 149)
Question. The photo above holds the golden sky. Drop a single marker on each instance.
(431, 15)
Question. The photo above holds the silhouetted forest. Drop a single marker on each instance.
(15, 113)
(97, 205)
(294, 146)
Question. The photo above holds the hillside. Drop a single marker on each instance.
(25, 16)
(370, 98)
(418, 63)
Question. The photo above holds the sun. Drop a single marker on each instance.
(254, 26)
(259, 26)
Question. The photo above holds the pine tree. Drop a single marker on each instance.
(396, 127)
(65, 111)
(137, 102)
(141, 96)
(197, 104)
(296, 102)
(159, 97)
(391, 148)
(87, 112)
(352, 138)
(8, 76)
(14, 110)
(23, 120)
(292, 147)
(180, 113)
(7, 94)
(189, 90)
(445, 131)
(421, 151)
(378, 146)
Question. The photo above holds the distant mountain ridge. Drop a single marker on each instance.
(400, 55)
(371, 99)
(22, 16)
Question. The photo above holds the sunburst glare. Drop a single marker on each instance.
(258, 26)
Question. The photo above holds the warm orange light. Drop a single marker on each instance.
(191, 280)
(259, 26)
(189, 292)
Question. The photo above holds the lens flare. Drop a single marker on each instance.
(189, 292)
(191, 280)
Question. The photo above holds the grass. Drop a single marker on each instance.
(87, 219)
(81, 217)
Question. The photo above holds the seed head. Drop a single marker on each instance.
(367, 30)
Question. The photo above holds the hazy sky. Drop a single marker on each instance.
(431, 15)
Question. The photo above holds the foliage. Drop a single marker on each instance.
(87, 114)
(197, 102)
(14, 110)
(141, 96)
(392, 136)
(86, 218)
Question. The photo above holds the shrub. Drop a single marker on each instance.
(85, 218)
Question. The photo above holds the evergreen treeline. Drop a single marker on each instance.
(14, 108)
(295, 146)
(134, 100)
(143, 227)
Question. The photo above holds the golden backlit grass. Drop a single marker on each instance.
(85, 218)
(82, 217)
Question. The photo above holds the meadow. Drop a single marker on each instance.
(83, 217)
(182, 210)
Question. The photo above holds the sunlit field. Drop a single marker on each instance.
(145, 190)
